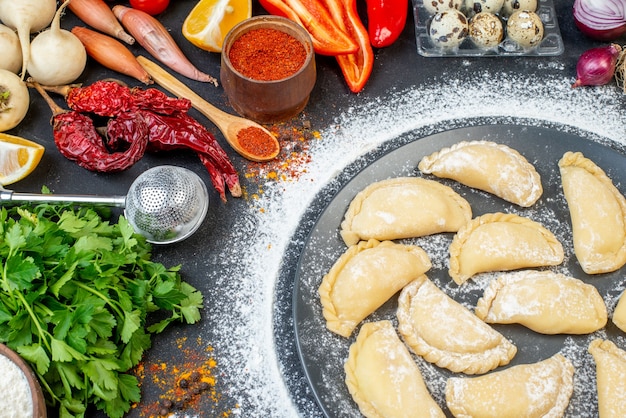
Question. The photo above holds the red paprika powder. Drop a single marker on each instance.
(256, 141)
(267, 54)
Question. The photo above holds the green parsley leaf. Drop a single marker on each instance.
(75, 295)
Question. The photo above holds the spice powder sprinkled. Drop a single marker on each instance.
(295, 138)
(267, 54)
(188, 386)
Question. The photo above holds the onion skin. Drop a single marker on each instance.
(154, 37)
(596, 66)
(99, 16)
(111, 53)
(602, 20)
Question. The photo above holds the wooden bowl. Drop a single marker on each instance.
(275, 100)
(38, 400)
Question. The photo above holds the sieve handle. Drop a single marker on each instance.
(10, 196)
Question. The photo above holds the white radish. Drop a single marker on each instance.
(14, 100)
(57, 56)
(27, 16)
(11, 50)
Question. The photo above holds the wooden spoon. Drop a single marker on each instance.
(230, 125)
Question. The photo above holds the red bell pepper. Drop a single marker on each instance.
(385, 20)
(356, 67)
(327, 37)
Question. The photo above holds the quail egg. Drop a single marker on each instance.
(478, 6)
(486, 30)
(436, 6)
(448, 29)
(525, 28)
(511, 6)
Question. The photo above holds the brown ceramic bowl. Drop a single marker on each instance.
(39, 402)
(275, 100)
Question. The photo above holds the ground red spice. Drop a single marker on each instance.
(183, 387)
(256, 141)
(267, 54)
(295, 138)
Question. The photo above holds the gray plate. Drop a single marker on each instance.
(323, 353)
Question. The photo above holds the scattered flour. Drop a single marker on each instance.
(255, 339)
(15, 397)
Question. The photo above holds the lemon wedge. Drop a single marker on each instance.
(209, 21)
(18, 158)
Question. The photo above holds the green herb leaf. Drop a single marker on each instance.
(75, 294)
(35, 354)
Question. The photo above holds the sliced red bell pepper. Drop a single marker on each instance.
(327, 37)
(356, 67)
(385, 20)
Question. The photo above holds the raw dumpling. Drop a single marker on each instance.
(544, 301)
(364, 277)
(501, 242)
(619, 314)
(598, 214)
(611, 378)
(383, 378)
(491, 167)
(535, 390)
(403, 207)
(446, 333)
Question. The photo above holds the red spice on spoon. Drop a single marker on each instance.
(267, 54)
(256, 141)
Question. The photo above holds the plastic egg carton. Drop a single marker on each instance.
(551, 44)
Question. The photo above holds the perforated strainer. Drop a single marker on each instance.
(165, 204)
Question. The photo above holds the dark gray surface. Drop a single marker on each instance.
(397, 66)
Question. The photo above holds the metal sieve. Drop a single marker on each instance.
(165, 204)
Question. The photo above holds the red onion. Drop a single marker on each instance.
(596, 66)
(603, 20)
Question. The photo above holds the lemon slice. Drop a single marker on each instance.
(18, 158)
(209, 21)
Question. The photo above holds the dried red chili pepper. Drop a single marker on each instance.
(356, 67)
(104, 98)
(169, 126)
(180, 130)
(110, 98)
(385, 21)
(327, 37)
(77, 139)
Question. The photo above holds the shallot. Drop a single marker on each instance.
(603, 20)
(111, 53)
(98, 15)
(56, 55)
(155, 38)
(27, 16)
(11, 50)
(14, 100)
(596, 66)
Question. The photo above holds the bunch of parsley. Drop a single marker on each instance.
(75, 294)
